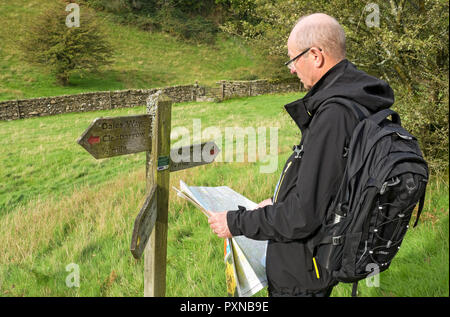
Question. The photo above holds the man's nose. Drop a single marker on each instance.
(293, 71)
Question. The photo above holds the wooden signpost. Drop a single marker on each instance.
(192, 156)
(108, 137)
(143, 225)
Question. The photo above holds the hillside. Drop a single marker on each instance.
(142, 59)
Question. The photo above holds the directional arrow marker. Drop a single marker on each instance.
(93, 139)
(113, 136)
(194, 155)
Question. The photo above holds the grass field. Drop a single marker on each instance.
(58, 206)
(138, 61)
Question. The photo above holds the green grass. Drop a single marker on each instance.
(40, 156)
(141, 59)
(58, 205)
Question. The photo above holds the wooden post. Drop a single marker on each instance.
(158, 172)
(113, 136)
(223, 89)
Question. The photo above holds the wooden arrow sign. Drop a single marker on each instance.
(194, 155)
(143, 225)
(145, 221)
(113, 136)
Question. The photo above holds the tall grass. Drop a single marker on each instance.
(77, 210)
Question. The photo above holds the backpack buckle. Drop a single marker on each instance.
(342, 209)
(337, 240)
(340, 213)
(298, 151)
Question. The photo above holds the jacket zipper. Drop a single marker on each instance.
(281, 181)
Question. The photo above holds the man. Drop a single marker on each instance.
(312, 174)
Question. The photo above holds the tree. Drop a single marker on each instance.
(51, 43)
(405, 42)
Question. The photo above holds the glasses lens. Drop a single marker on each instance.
(290, 64)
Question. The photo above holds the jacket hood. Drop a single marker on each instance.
(342, 80)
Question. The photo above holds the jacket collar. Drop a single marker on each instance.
(302, 110)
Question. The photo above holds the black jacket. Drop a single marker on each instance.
(310, 178)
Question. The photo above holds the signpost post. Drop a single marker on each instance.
(113, 136)
(158, 174)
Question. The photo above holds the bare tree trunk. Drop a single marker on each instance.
(62, 79)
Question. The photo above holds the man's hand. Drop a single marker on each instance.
(218, 220)
(266, 202)
(218, 223)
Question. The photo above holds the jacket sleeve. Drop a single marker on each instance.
(321, 169)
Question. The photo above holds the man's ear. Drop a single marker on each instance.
(318, 57)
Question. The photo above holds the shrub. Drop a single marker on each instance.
(187, 19)
(49, 42)
(194, 28)
(426, 116)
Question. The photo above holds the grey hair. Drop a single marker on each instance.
(324, 32)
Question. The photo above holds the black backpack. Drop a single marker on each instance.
(384, 179)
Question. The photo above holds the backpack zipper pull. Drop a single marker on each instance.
(383, 188)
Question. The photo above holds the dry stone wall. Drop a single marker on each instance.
(47, 106)
(232, 89)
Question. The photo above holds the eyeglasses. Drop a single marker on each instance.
(290, 64)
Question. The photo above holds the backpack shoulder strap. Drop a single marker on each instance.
(362, 113)
(358, 110)
(383, 114)
(355, 289)
(419, 211)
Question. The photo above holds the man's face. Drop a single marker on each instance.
(302, 66)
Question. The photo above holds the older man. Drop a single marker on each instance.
(312, 174)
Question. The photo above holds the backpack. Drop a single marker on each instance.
(384, 179)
